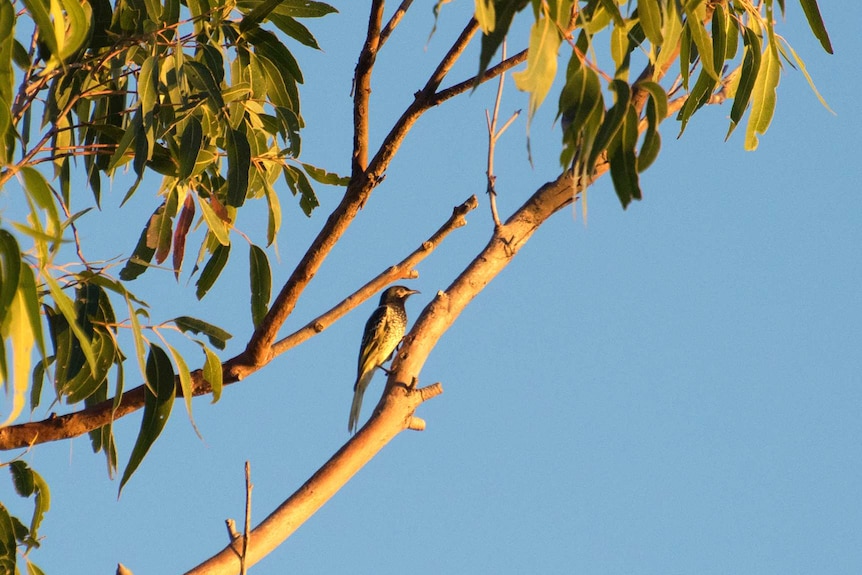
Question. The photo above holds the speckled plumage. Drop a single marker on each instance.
(383, 332)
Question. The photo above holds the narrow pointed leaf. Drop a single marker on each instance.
(158, 401)
(212, 372)
(238, 164)
(763, 98)
(212, 270)
(815, 21)
(190, 147)
(216, 335)
(650, 18)
(185, 378)
(748, 76)
(260, 279)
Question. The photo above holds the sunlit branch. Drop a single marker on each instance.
(394, 21)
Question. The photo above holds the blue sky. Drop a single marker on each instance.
(674, 388)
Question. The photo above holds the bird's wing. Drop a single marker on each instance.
(371, 354)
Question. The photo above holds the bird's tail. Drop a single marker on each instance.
(358, 392)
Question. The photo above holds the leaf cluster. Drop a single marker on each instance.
(203, 94)
(724, 49)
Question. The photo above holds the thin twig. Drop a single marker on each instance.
(362, 89)
(470, 83)
(493, 136)
(246, 536)
(394, 21)
(401, 270)
(73, 424)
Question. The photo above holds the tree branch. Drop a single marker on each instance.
(394, 21)
(56, 427)
(258, 352)
(362, 89)
(402, 270)
(395, 411)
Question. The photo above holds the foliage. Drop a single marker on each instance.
(205, 95)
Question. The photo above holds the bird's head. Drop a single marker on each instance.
(396, 294)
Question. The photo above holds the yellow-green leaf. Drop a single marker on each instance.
(185, 378)
(22, 338)
(650, 17)
(763, 98)
(67, 308)
(541, 63)
(485, 15)
(694, 22)
(212, 372)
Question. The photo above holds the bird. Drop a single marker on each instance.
(383, 332)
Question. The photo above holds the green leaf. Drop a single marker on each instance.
(649, 13)
(67, 309)
(324, 177)
(293, 8)
(200, 76)
(20, 332)
(580, 101)
(298, 183)
(260, 278)
(38, 10)
(541, 63)
(137, 336)
(719, 37)
(294, 29)
(763, 98)
(801, 65)
(10, 270)
(216, 335)
(27, 482)
(141, 256)
(613, 120)
(158, 401)
(268, 45)
(212, 270)
(9, 51)
(815, 21)
(38, 188)
(190, 147)
(697, 98)
(504, 11)
(273, 224)
(219, 227)
(695, 13)
(258, 14)
(748, 76)
(485, 15)
(185, 378)
(212, 372)
(238, 164)
(8, 550)
(87, 382)
(623, 161)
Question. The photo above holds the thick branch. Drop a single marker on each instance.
(340, 468)
(394, 412)
(74, 424)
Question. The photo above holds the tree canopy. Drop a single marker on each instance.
(199, 102)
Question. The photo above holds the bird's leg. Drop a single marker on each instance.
(386, 371)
